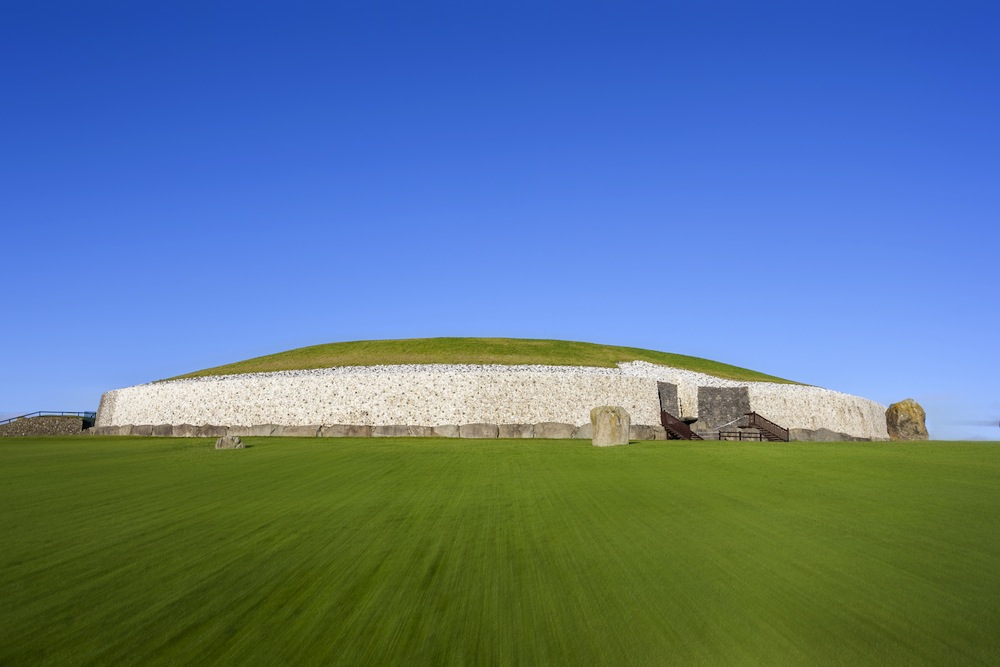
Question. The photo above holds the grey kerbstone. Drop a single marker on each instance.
(801, 435)
(184, 431)
(906, 420)
(163, 430)
(107, 430)
(400, 431)
(611, 425)
(585, 432)
(642, 432)
(142, 429)
(659, 433)
(211, 431)
(254, 430)
(554, 430)
(229, 442)
(345, 431)
(297, 430)
(479, 430)
(512, 431)
(447, 431)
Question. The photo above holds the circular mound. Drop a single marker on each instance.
(484, 386)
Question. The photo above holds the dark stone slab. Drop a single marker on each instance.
(668, 398)
(718, 406)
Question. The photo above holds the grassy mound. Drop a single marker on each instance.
(508, 351)
(434, 552)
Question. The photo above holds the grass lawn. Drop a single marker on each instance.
(506, 351)
(125, 551)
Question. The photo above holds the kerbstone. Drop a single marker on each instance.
(163, 430)
(642, 432)
(611, 425)
(584, 432)
(554, 430)
(447, 431)
(402, 431)
(479, 430)
(184, 430)
(515, 431)
(345, 431)
(297, 431)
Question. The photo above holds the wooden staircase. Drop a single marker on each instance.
(676, 429)
(768, 429)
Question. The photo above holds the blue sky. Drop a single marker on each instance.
(805, 189)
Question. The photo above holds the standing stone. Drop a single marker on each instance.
(611, 425)
(906, 421)
(229, 442)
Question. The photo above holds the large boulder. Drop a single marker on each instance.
(611, 425)
(906, 421)
(229, 442)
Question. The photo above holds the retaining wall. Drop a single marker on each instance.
(43, 425)
(429, 396)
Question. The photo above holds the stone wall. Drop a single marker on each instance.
(447, 396)
(376, 396)
(544, 430)
(45, 425)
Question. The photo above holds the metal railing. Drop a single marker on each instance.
(756, 421)
(86, 416)
(741, 436)
(676, 427)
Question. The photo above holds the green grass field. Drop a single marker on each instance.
(313, 551)
(507, 351)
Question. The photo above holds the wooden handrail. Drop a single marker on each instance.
(756, 421)
(675, 425)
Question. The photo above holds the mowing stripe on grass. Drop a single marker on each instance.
(498, 552)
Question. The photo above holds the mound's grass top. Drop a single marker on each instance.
(507, 351)
(438, 552)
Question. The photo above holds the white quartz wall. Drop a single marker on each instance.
(419, 396)
(433, 395)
